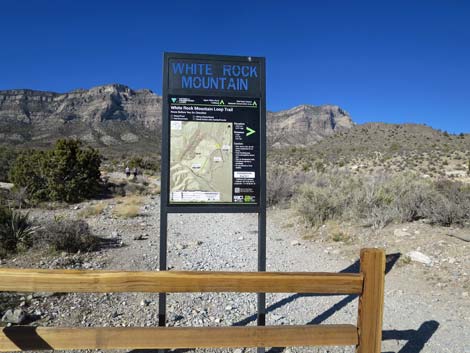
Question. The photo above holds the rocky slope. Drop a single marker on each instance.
(115, 115)
(306, 124)
(102, 116)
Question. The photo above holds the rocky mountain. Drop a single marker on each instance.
(115, 115)
(306, 124)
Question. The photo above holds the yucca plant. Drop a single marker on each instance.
(16, 231)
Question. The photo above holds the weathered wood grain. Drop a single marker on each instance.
(371, 302)
(65, 281)
(42, 338)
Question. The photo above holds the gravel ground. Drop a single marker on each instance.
(422, 313)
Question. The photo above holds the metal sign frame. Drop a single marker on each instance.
(166, 207)
(165, 161)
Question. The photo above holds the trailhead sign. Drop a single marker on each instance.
(213, 145)
(214, 132)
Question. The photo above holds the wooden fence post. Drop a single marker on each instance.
(371, 301)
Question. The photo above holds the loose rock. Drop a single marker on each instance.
(401, 233)
(17, 316)
(417, 256)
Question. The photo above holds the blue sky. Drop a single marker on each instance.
(391, 61)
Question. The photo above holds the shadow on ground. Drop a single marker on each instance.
(415, 339)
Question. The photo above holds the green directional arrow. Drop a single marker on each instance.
(221, 102)
(250, 131)
(173, 100)
(254, 104)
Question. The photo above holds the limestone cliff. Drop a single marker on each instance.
(115, 115)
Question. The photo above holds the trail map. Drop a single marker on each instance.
(201, 161)
(214, 148)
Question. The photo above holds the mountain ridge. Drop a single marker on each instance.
(115, 114)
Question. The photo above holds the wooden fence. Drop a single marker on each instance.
(366, 336)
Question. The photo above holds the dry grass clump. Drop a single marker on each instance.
(92, 210)
(128, 207)
(379, 200)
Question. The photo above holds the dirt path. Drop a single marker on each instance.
(420, 316)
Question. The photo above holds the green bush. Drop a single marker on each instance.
(28, 172)
(145, 163)
(16, 231)
(7, 158)
(67, 173)
(320, 166)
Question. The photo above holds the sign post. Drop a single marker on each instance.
(213, 144)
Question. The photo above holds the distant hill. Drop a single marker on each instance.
(104, 116)
(121, 121)
(118, 117)
(381, 147)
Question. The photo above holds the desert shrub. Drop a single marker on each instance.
(28, 172)
(146, 163)
(281, 184)
(448, 204)
(72, 171)
(325, 196)
(135, 162)
(68, 235)
(16, 231)
(316, 205)
(133, 188)
(18, 197)
(385, 199)
(7, 158)
(4, 194)
(379, 200)
(67, 173)
(319, 166)
(394, 147)
(439, 210)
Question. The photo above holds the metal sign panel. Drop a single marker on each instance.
(214, 133)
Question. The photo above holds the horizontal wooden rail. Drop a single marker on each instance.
(93, 281)
(42, 338)
(369, 284)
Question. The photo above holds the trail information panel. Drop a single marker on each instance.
(214, 149)
(214, 130)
